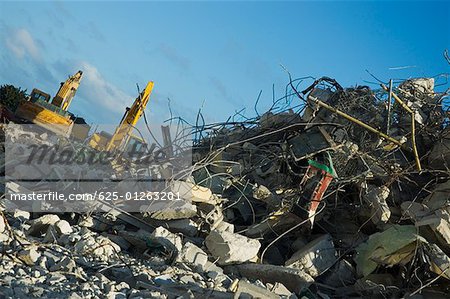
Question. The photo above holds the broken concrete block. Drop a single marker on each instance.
(377, 196)
(341, 274)
(122, 242)
(191, 192)
(418, 85)
(414, 210)
(435, 215)
(281, 290)
(212, 270)
(40, 225)
(316, 257)
(439, 157)
(440, 262)
(29, 256)
(225, 226)
(440, 224)
(263, 194)
(99, 247)
(169, 210)
(63, 227)
(65, 265)
(2, 224)
(167, 239)
(396, 245)
(19, 214)
(51, 236)
(244, 289)
(294, 279)
(231, 248)
(193, 255)
(186, 227)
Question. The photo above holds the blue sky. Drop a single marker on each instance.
(218, 55)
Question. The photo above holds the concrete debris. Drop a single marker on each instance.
(244, 289)
(166, 238)
(295, 280)
(65, 265)
(98, 247)
(377, 196)
(191, 192)
(340, 275)
(315, 257)
(439, 261)
(40, 225)
(177, 210)
(333, 193)
(230, 248)
(394, 246)
(28, 256)
(63, 227)
(193, 255)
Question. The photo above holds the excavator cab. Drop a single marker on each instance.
(51, 115)
(38, 95)
(136, 143)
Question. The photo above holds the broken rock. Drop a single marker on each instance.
(64, 265)
(167, 239)
(316, 257)
(295, 280)
(192, 192)
(244, 289)
(100, 247)
(63, 227)
(29, 256)
(231, 248)
(393, 246)
(377, 196)
(193, 255)
(40, 225)
(169, 210)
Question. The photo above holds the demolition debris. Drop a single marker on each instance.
(333, 192)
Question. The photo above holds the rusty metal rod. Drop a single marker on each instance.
(413, 124)
(356, 121)
(388, 125)
(397, 99)
(413, 141)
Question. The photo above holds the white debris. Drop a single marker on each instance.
(191, 192)
(316, 257)
(231, 248)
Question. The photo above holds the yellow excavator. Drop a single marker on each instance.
(123, 134)
(53, 115)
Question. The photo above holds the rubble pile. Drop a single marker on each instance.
(345, 195)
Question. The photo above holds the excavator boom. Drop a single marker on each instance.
(66, 91)
(129, 120)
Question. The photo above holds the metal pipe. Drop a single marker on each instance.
(356, 121)
(413, 141)
(413, 125)
(388, 125)
(397, 99)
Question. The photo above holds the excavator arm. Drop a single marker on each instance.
(67, 91)
(129, 120)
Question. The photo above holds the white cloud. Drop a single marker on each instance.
(96, 89)
(21, 43)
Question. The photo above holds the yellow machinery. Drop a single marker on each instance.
(121, 137)
(52, 116)
(66, 91)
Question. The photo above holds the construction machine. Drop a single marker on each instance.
(123, 134)
(53, 115)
